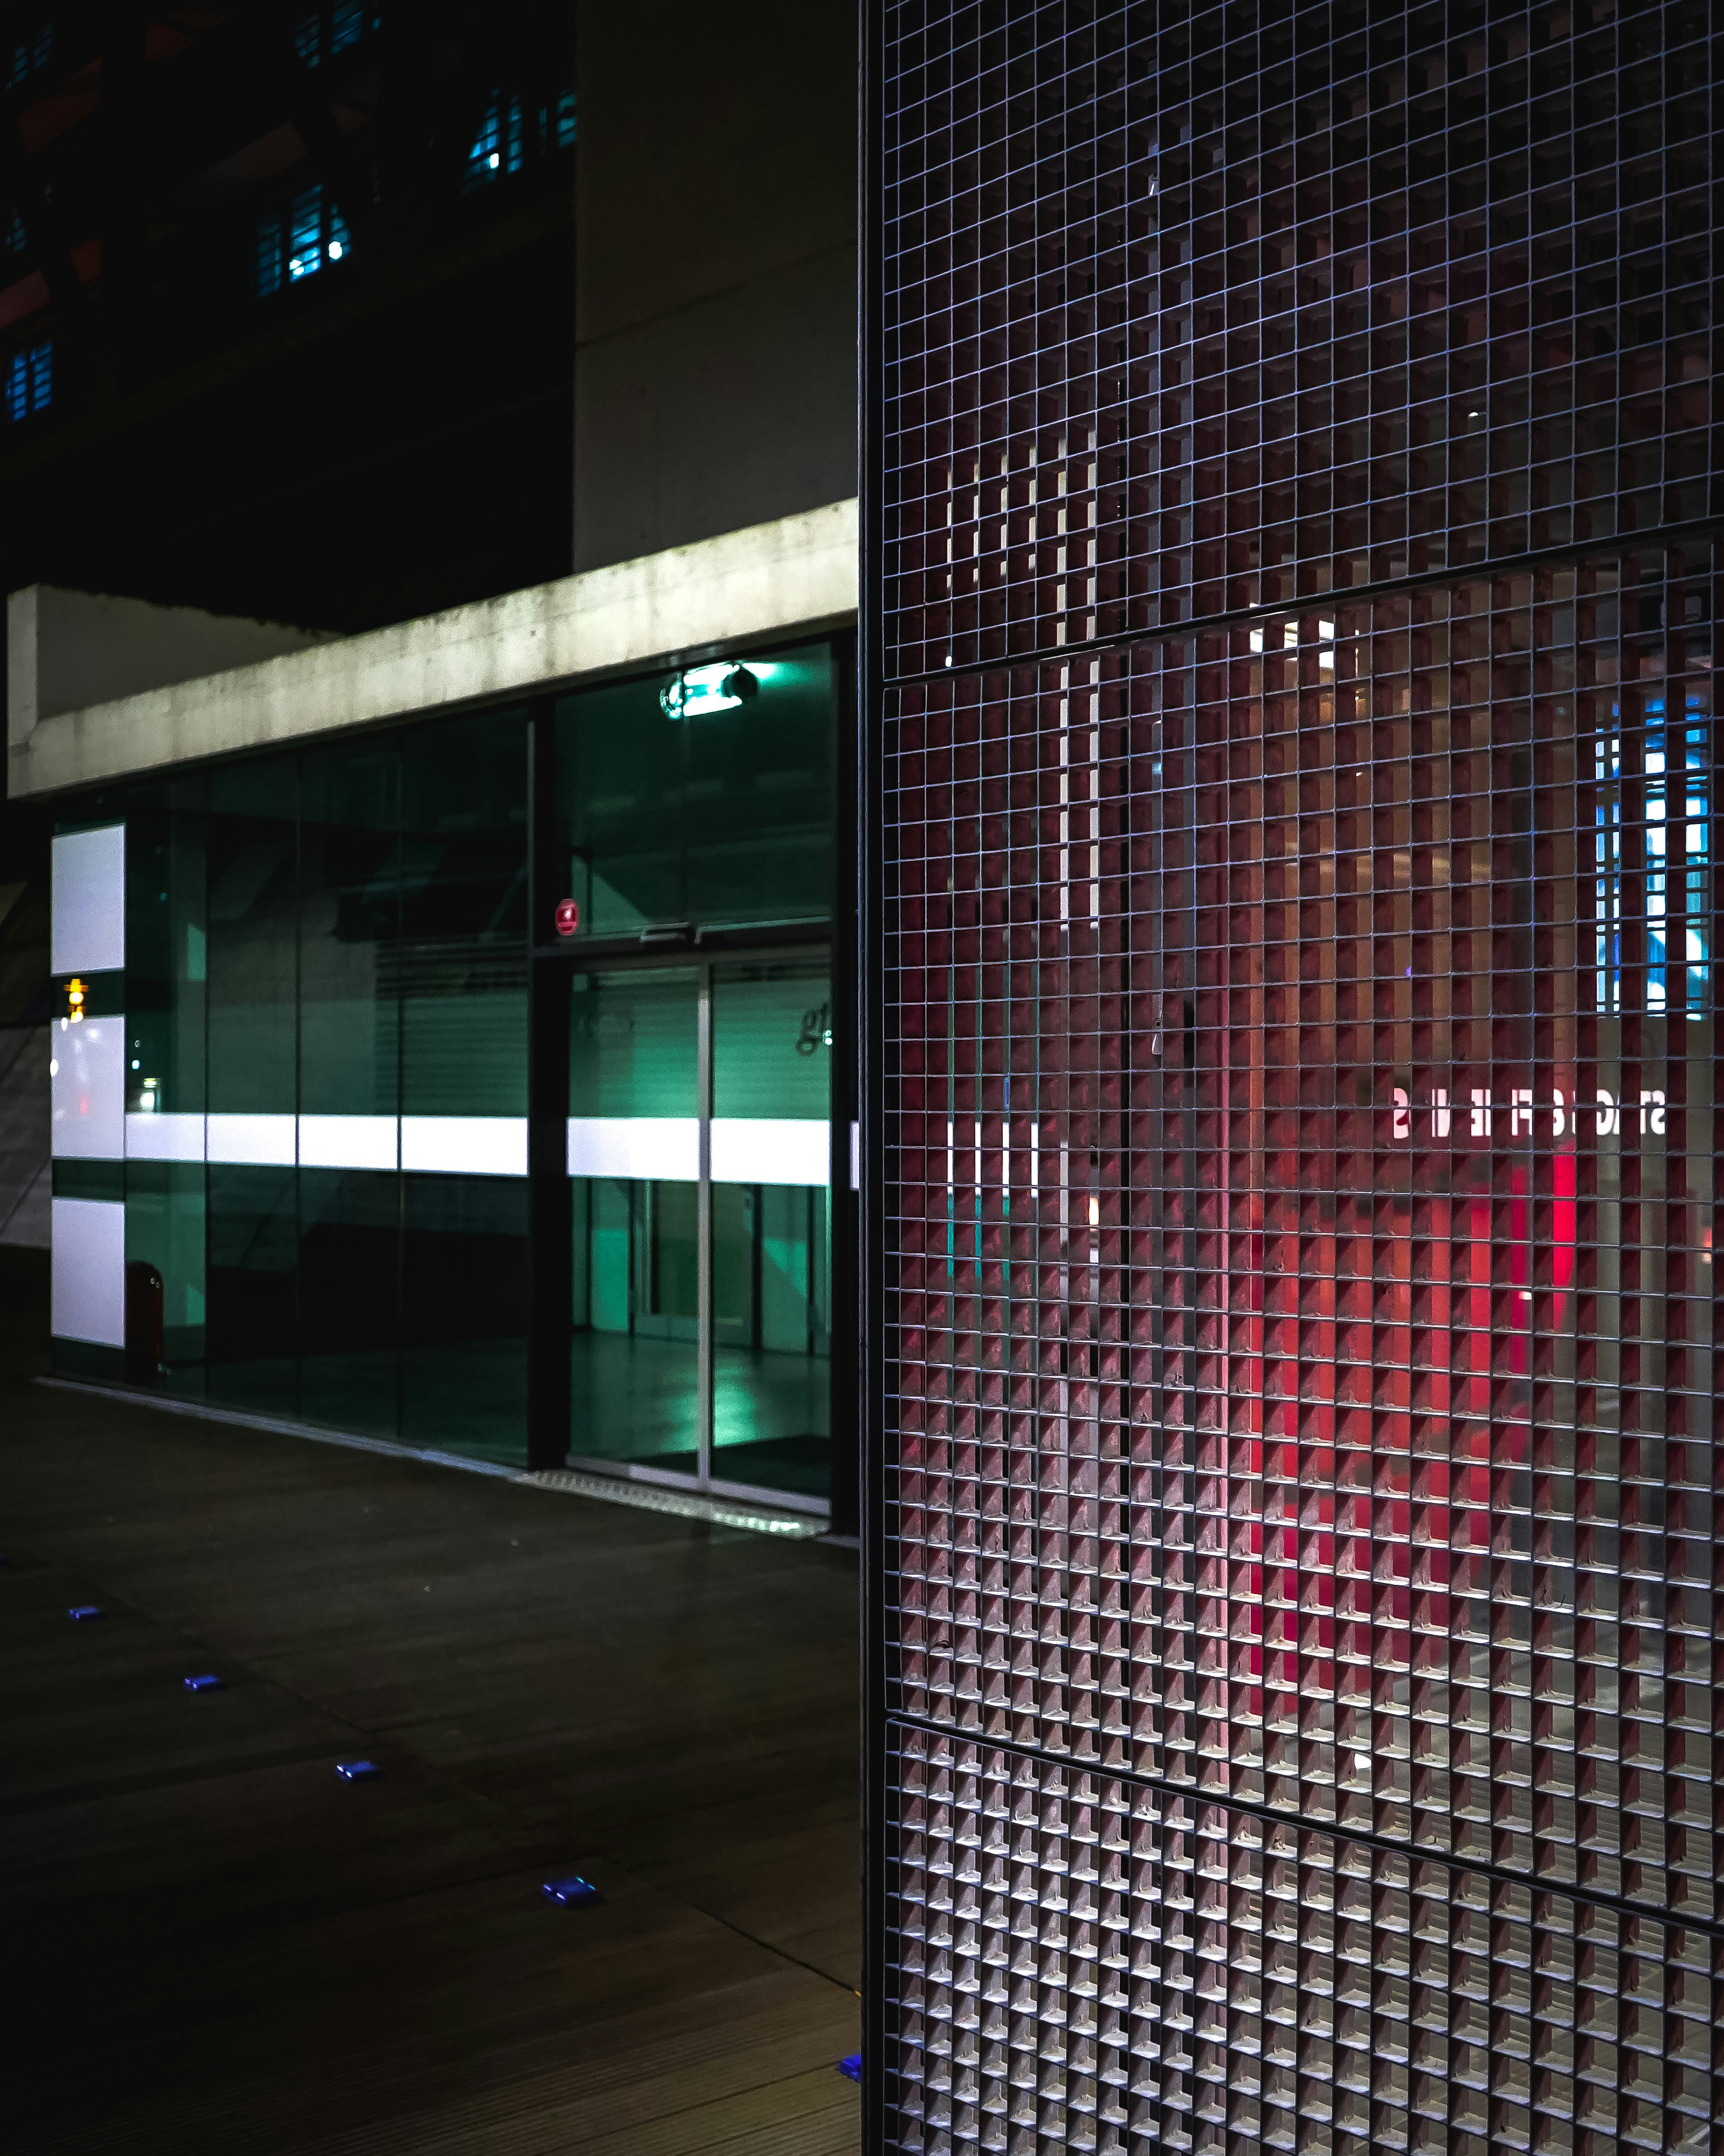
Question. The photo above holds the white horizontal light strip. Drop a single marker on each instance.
(636, 1148)
(250, 1141)
(349, 1141)
(164, 1137)
(463, 1145)
(781, 1150)
(770, 1149)
(445, 1145)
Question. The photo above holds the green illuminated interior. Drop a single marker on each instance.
(341, 931)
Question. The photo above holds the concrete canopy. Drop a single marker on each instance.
(795, 573)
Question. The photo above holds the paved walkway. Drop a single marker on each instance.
(212, 1943)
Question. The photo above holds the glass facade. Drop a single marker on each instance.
(694, 806)
(719, 817)
(326, 997)
(1297, 1577)
(322, 1159)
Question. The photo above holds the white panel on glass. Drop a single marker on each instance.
(347, 1141)
(86, 1085)
(463, 1145)
(641, 1149)
(250, 1141)
(88, 930)
(770, 1149)
(164, 1137)
(87, 1296)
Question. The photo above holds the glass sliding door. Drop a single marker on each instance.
(770, 1146)
(698, 1151)
(634, 1166)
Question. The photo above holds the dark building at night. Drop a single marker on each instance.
(429, 454)
(1289, 505)
(288, 305)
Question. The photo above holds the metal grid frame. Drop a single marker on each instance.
(1329, 298)
(1288, 1119)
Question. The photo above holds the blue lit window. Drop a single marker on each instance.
(13, 239)
(498, 147)
(513, 131)
(1677, 783)
(347, 25)
(28, 55)
(297, 242)
(331, 30)
(30, 380)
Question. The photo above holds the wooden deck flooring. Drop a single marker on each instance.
(213, 1944)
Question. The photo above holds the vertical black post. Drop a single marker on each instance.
(550, 1217)
(868, 829)
(843, 1287)
(703, 1230)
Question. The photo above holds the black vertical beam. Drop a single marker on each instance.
(841, 1289)
(550, 1214)
(869, 830)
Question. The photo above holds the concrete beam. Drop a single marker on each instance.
(797, 572)
(68, 650)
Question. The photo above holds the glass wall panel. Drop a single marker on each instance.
(771, 1086)
(634, 1155)
(461, 966)
(461, 960)
(350, 925)
(252, 1000)
(252, 950)
(319, 944)
(464, 1303)
(253, 1278)
(690, 798)
(166, 975)
(620, 768)
(759, 788)
(165, 1266)
(166, 944)
(349, 1298)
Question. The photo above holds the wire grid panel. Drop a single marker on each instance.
(1083, 1962)
(1301, 1261)
(1189, 310)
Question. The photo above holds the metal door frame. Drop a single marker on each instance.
(550, 967)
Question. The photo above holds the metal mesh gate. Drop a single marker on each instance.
(1297, 1585)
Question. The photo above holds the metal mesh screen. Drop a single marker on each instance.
(1300, 1589)
(1188, 310)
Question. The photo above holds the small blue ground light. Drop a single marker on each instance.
(851, 2067)
(357, 1770)
(205, 1684)
(566, 1892)
(85, 1613)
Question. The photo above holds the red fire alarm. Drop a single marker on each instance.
(568, 917)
